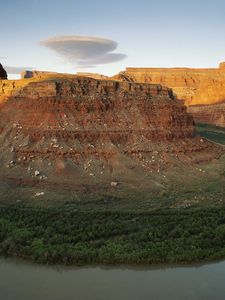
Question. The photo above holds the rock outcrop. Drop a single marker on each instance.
(194, 86)
(83, 130)
(211, 114)
(3, 73)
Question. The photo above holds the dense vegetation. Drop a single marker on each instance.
(212, 132)
(123, 229)
(60, 235)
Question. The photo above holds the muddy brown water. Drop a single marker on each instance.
(20, 280)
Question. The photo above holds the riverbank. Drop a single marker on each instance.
(63, 235)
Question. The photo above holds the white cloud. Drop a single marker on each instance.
(84, 50)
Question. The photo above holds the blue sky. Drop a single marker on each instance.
(149, 33)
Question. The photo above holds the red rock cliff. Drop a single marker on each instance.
(82, 127)
(106, 107)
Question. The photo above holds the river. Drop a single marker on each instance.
(20, 280)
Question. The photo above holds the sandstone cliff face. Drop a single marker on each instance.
(195, 86)
(210, 114)
(82, 129)
(3, 73)
(124, 106)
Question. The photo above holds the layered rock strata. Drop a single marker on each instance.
(211, 114)
(85, 129)
(194, 86)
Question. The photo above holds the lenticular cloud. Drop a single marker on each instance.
(84, 50)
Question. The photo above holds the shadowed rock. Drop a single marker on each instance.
(3, 73)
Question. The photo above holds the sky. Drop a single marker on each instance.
(103, 36)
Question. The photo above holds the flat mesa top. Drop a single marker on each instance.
(176, 69)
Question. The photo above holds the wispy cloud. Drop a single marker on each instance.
(16, 70)
(84, 50)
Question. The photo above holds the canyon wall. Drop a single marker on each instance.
(210, 114)
(194, 86)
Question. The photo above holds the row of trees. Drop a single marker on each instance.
(58, 236)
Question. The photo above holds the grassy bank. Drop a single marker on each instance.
(57, 235)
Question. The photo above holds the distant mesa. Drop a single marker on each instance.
(31, 74)
(27, 74)
(194, 86)
(3, 73)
